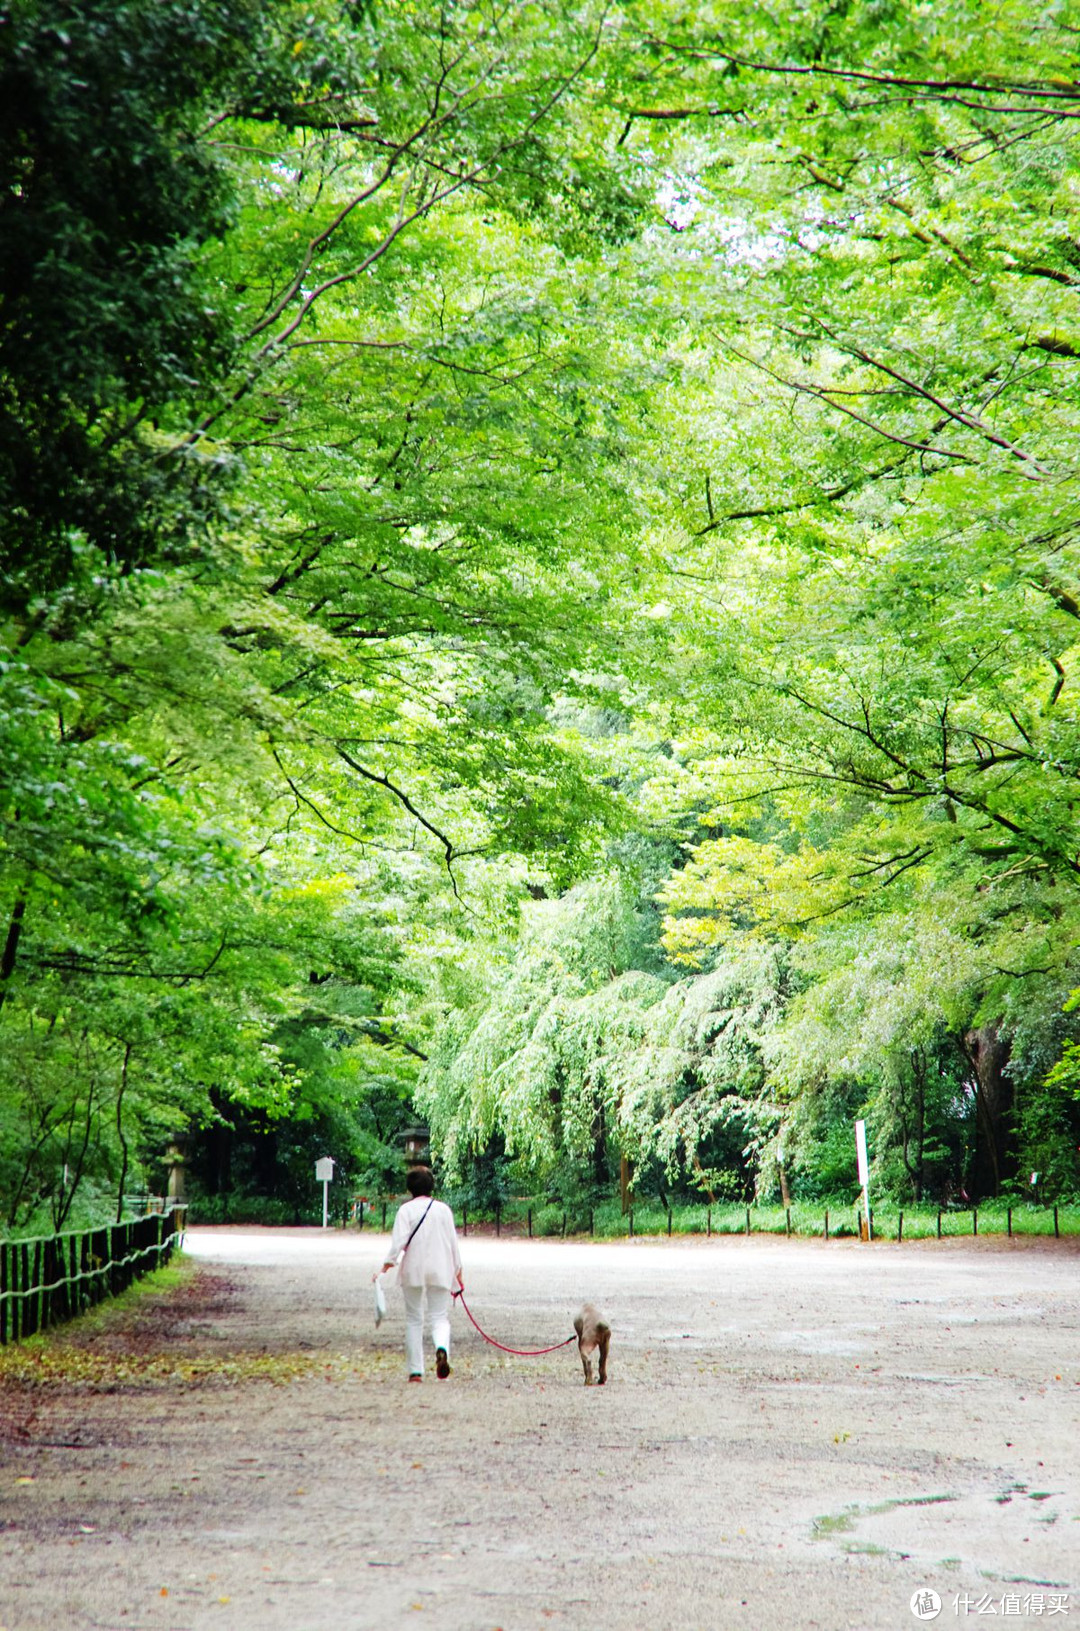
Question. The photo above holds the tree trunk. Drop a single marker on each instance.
(599, 1152)
(11, 946)
(120, 1133)
(626, 1178)
(994, 1158)
(920, 1127)
(913, 1129)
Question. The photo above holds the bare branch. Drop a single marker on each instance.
(960, 415)
(451, 853)
(1036, 90)
(821, 393)
(302, 798)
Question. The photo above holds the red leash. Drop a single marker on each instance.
(522, 1353)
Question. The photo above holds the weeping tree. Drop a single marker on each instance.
(583, 1053)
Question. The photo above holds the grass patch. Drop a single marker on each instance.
(842, 1523)
(65, 1367)
(834, 1523)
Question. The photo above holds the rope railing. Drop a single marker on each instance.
(52, 1278)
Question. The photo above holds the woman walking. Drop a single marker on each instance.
(424, 1245)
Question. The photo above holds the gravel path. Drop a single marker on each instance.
(795, 1435)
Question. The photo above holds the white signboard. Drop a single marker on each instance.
(864, 1171)
(324, 1172)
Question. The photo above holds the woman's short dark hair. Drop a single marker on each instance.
(419, 1181)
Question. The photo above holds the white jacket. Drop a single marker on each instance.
(433, 1258)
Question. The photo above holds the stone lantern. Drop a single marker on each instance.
(416, 1144)
(176, 1158)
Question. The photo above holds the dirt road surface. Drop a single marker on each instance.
(794, 1435)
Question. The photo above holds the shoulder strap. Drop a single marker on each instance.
(416, 1226)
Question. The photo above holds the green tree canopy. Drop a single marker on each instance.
(539, 577)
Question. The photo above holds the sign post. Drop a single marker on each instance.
(864, 1172)
(324, 1171)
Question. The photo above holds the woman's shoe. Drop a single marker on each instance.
(442, 1364)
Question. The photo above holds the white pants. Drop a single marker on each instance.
(438, 1310)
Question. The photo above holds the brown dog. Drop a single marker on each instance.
(593, 1332)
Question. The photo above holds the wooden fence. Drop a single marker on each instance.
(55, 1277)
(519, 1215)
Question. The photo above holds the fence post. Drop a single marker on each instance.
(20, 1269)
(101, 1283)
(16, 1301)
(498, 1219)
(71, 1269)
(974, 1220)
(787, 1220)
(708, 1222)
(591, 1231)
(564, 1225)
(24, 1281)
(530, 1222)
(826, 1223)
(939, 1225)
(53, 1311)
(36, 1294)
(4, 1299)
(464, 1219)
(1008, 1220)
(90, 1257)
(27, 1282)
(748, 1220)
(669, 1222)
(43, 1279)
(630, 1216)
(62, 1294)
(900, 1228)
(1056, 1235)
